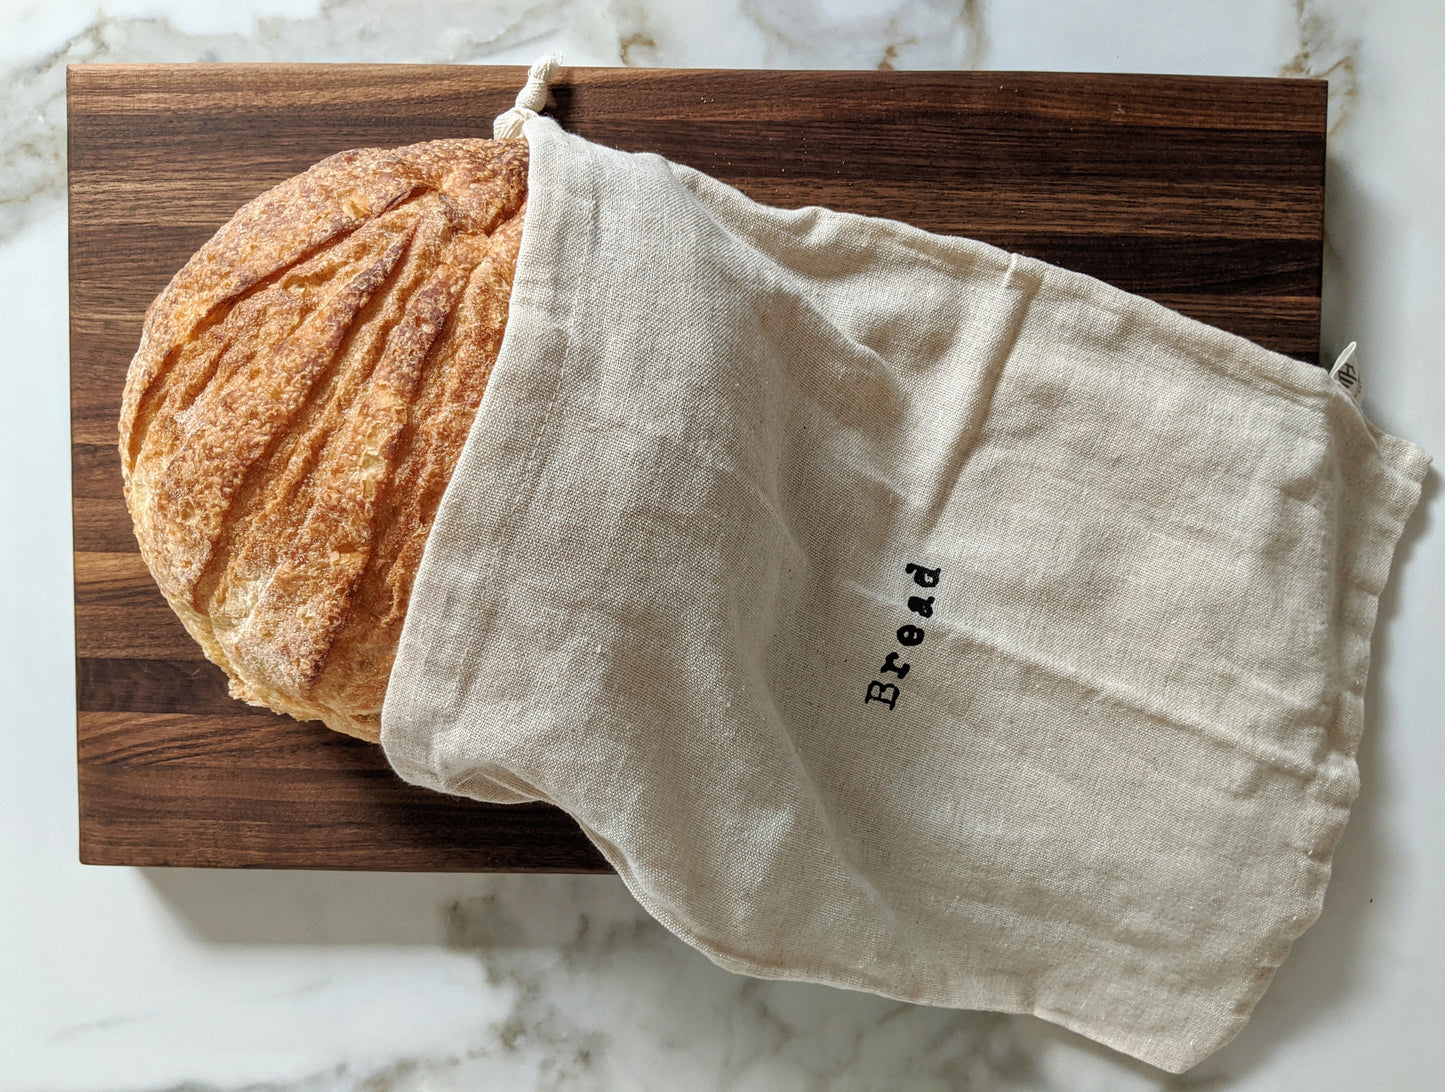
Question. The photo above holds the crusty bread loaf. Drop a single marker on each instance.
(300, 397)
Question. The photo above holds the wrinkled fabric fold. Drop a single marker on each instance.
(901, 614)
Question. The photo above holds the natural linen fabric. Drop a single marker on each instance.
(734, 459)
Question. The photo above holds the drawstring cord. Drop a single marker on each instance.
(531, 99)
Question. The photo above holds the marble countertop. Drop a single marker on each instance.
(117, 979)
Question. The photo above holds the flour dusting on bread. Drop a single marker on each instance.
(300, 397)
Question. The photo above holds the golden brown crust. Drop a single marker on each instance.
(300, 397)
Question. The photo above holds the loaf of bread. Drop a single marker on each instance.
(300, 397)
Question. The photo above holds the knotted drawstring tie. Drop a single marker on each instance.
(530, 100)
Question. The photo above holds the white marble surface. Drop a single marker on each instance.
(175, 979)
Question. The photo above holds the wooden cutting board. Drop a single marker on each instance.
(1204, 194)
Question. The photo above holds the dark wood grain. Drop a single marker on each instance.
(1204, 194)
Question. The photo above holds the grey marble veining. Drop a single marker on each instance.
(598, 995)
(753, 34)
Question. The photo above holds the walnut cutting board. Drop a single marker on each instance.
(1204, 194)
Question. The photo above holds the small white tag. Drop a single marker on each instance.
(1344, 371)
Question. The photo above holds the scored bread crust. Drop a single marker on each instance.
(301, 394)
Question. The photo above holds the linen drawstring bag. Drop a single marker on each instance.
(902, 614)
